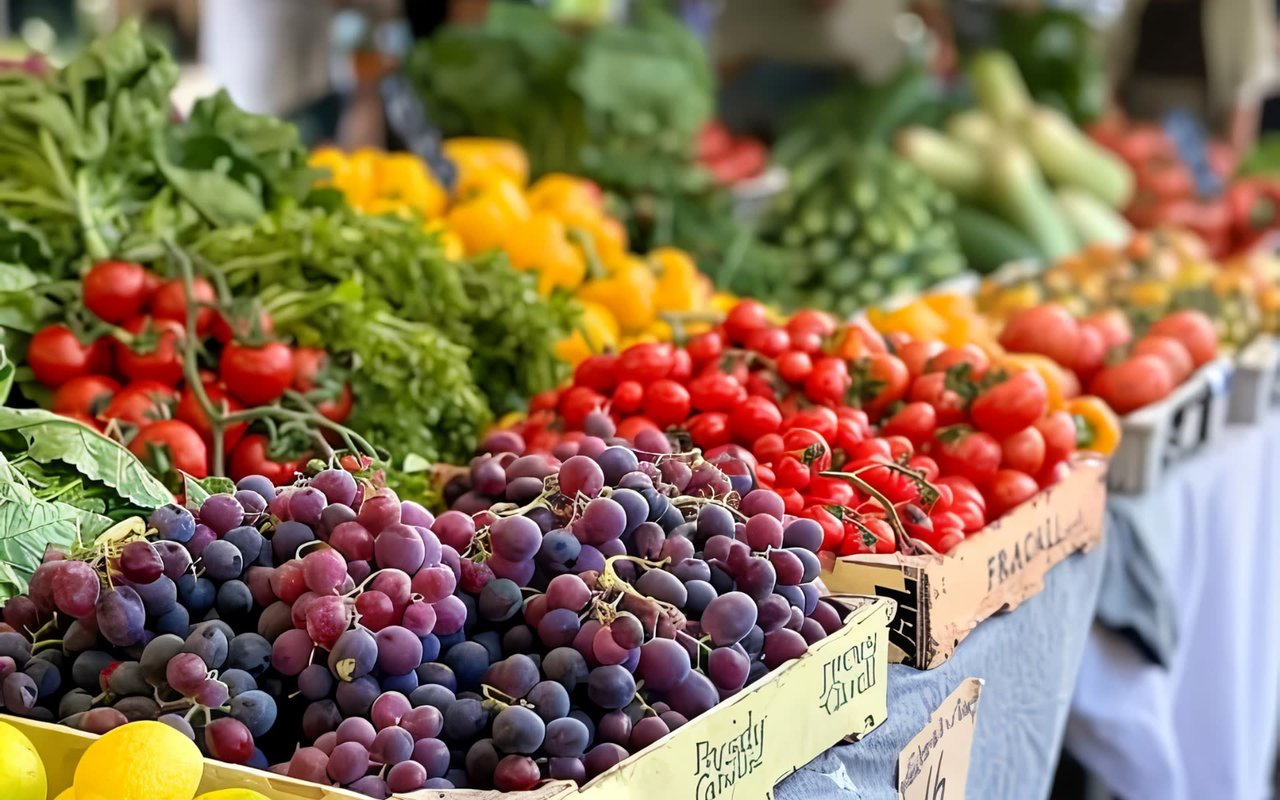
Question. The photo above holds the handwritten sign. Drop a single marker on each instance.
(1035, 545)
(935, 763)
(720, 765)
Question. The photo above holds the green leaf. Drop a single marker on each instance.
(198, 490)
(51, 437)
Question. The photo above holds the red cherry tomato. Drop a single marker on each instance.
(794, 366)
(931, 388)
(753, 418)
(170, 302)
(886, 539)
(880, 380)
(241, 327)
(576, 403)
(1059, 433)
(251, 457)
(1024, 450)
(768, 448)
(710, 429)
(631, 426)
(830, 491)
(191, 412)
(969, 354)
(626, 398)
(744, 319)
(811, 321)
(645, 362)
(56, 356)
(1007, 489)
(1012, 405)
(716, 391)
(828, 381)
(924, 465)
(791, 472)
(971, 454)
(598, 372)
(705, 348)
(681, 366)
(666, 402)
(115, 290)
(256, 375)
(916, 421)
(962, 489)
(832, 528)
(819, 419)
(86, 395)
(809, 447)
(155, 353)
(140, 403)
(916, 354)
(171, 444)
(311, 372)
(973, 514)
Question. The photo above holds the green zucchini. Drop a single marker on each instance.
(946, 162)
(1070, 158)
(989, 242)
(1091, 219)
(1019, 194)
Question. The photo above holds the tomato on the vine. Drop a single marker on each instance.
(794, 366)
(768, 342)
(886, 539)
(579, 401)
(705, 348)
(960, 450)
(709, 429)
(310, 371)
(256, 375)
(1024, 450)
(666, 402)
(171, 444)
(931, 388)
(86, 395)
(879, 381)
(115, 290)
(753, 418)
(809, 447)
(828, 381)
(968, 353)
(645, 362)
(830, 491)
(56, 356)
(916, 421)
(819, 419)
(926, 466)
(598, 372)
(252, 457)
(832, 527)
(190, 411)
(170, 302)
(626, 398)
(811, 321)
(1007, 489)
(972, 515)
(768, 448)
(791, 472)
(1059, 433)
(140, 403)
(1011, 405)
(154, 353)
(716, 391)
(746, 317)
(241, 327)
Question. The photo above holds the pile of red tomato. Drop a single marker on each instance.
(873, 437)
(126, 373)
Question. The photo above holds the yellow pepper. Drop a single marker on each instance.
(480, 223)
(473, 155)
(561, 194)
(677, 279)
(404, 177)
(629, 294)
(1097, 426)
(449, 241)
(597, 332)
(541, 243)
(916, 319)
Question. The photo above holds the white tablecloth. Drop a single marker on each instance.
(1205, 725)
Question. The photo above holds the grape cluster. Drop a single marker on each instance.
(564, 614)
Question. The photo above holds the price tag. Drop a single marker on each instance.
(935, 763)
(408, 120)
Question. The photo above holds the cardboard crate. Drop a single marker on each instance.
(1254, 387)
(1164, 433)
(742, 747)
(941, 598)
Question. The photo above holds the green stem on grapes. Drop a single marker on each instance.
(689, 501)
(37, 645)
(298, 553)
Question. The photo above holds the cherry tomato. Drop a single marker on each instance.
(1196, 332)
(806, 342)
(886, 476)
(666, 402)
(765, 476)
(1113, 325)
(792, 501)
(598, 372)
(791, 472)
(171, 444)
(1059, 433)
(868, 449)
(916, 421)
(915, 521)
(681, 366)
(753, 418)
(1024, 450)
(1091, 352)
(768, 342)
(880, 381)
(828, 381)
(811, 321)
(932, 388)
(170, 302)
(242, 327)
(716, 391)
(542, 401)
(916, 354)
(1052, 473)
(155, 353)
(962, 489)
(973, 514)
(251, 457)
(310, 371)
(1134, 383)
(924, 465)
(576, 403)
(631, 426)
(945, 496)
(858, 339)
(256, 375)
(969, 354)
(745, 318)
(1049, 330)
(140, 403)
(963, 451)
(899, 447)
(86, 395)
(191, 412)
(947, 519)
(705, 348)
(1012, 405)
(886, 539)
(710, 429)
(115, 290)
(794, 366)
(820, 419)
(56, 356)
(830, 491)
(809, 447)
(832, 528)
(760, 384)
(1169, 350)
(1007, 489)
(645, 362)
(626, 398)
(768, 448)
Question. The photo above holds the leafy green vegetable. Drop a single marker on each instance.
(197, 491)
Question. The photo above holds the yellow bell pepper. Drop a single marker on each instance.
(480, 223)
(1097, 426)
(629, 293)
(472, 155)
(677, 279)
(404, 177)
(541, 243)
(561, 194)
(597, 332)
(916, 319)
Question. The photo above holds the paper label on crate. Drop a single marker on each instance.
(935, 763)
(1056, 528)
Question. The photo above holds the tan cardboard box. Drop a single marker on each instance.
(941, 598)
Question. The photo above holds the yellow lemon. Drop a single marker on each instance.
(21, 770)
(139, 761)
(233, 794)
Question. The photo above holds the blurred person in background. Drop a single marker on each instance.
(1215, 59)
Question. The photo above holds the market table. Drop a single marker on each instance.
(1180, 682)
(1028, 660)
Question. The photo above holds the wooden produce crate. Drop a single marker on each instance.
(942, 598)
(1162, 434)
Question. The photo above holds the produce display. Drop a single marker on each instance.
(731, 159)
(905, 450)
(1030, 184)
(576, 615)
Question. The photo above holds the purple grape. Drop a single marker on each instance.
(221, 512)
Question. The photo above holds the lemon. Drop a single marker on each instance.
(139, 761)
(21, 770)
(233, 794)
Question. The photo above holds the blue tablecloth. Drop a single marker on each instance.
(1028, 660)
(1180, 683)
